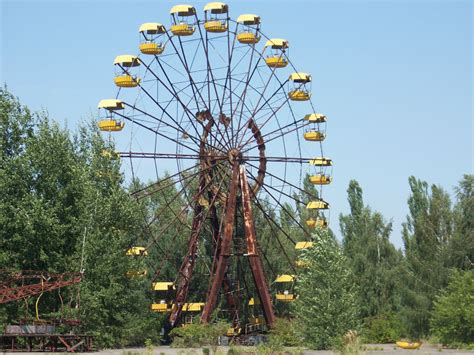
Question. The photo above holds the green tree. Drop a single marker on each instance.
(453, 314)
(426, 235)
(374, 260)
(461, 245)
(326, 308)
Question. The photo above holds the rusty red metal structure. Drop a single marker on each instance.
(214, 119)
(16, 285)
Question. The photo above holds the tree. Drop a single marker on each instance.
(327, 304)
(461, 245)
(426, 235)
(453, 314)
(374, 260)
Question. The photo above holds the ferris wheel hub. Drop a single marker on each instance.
(234, 154)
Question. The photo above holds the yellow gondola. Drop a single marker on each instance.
(123, 78)
(303, 245)
(109, 124)
(317, 205)
(137, 251)
(315, 118)
(320, 179)
(277, 57)
(163, 286)
(249, 33)
(286, 295)
(216, 22)
(135, 274)
(149, 40)
(314, 136)
(161, 307)
(182, 25)
(320, 161)
(317, 222)
(299, 92)
(409, 345)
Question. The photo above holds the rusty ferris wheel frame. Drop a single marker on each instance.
(222, 120)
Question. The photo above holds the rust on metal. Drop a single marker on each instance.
(254, 259)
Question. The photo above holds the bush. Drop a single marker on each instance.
(326, 308)
(197, 335)
(283, 334)
(452, 319)
(384, 328)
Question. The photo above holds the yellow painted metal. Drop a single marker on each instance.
(182, 29)
(111, 104)
(127, 60)
(163, 286)
(232, 332)
(217, 8)
(408, 344)
(285, 278)
(277, 43)
(253, 301)
(137, 251)
(110, 125)
(151, 48)
(317, 205)
(320, 162)
(320, 179)
(277, 61)
(318, 222)
(299, 95)
(248, 38)
(303, 245)
(314, 136)
(161, 307)
(300, 77)
(193, 307)
(183, 10)
(152, 28)
(248, 19)
(282, 297)
(315, 118)
(135, 274)
(215, 26)
(126, 81)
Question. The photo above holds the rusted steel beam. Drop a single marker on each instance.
(252, 251)
(222, 258)
(187, 267)
(43, 282)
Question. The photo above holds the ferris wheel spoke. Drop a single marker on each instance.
(176, 96)
(281, 133)
(286, 182)
(283, 208)
(158, 186)
(155, 131)
(272, 222)
(193, 84)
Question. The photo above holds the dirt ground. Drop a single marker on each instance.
(374, 349)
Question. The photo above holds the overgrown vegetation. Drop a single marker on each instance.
(64, 207)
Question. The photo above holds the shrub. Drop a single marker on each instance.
(384, 328)
(197, 335)
(452, 319)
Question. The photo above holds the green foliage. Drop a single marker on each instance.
(374, 260)
(452, 319)
(383, 328)
(426, 235)
(62, 209)
(284, 333)
(196, 335)
(326, 308)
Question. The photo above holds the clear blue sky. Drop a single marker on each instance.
(394, 78)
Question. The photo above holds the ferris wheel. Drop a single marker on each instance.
(214, 110)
